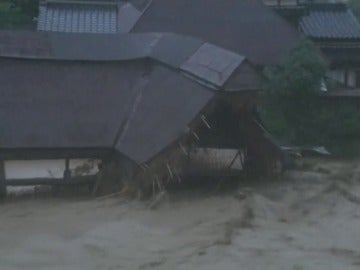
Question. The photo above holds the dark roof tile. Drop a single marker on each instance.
(330, 23)
(89, 16)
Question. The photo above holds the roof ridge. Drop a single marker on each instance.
(183, 53)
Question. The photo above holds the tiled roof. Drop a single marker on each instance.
(246, 27)
(87, 16)
(228, 24)
(326, 22)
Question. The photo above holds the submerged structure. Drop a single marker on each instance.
(130, 98)
(147, 97)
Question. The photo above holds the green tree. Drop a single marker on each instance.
(9, 15)
(28, 7)
(355, 6)
(291, 94)
(17, 13)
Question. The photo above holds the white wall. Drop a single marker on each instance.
(25, 169)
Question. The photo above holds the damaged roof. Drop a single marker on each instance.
(136, 93)
(137, 107)
(330, 21)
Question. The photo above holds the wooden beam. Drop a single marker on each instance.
(51, 181)
(2, 180)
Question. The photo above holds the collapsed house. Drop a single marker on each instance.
(132, 98)
(146, 97)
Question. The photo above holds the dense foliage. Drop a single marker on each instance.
(355, 6)
(295, 110)
(291, 94)
(17, 13)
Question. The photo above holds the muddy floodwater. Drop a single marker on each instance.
(308, 220)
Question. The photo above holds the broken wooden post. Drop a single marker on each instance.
(67, 172)
(234, 159)
(196, 136)
(2, 180)
(157, 200)
(203, 118)
(183, 149)
(177, 175)
(153, 187)
(170, 171)
(158, 182)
